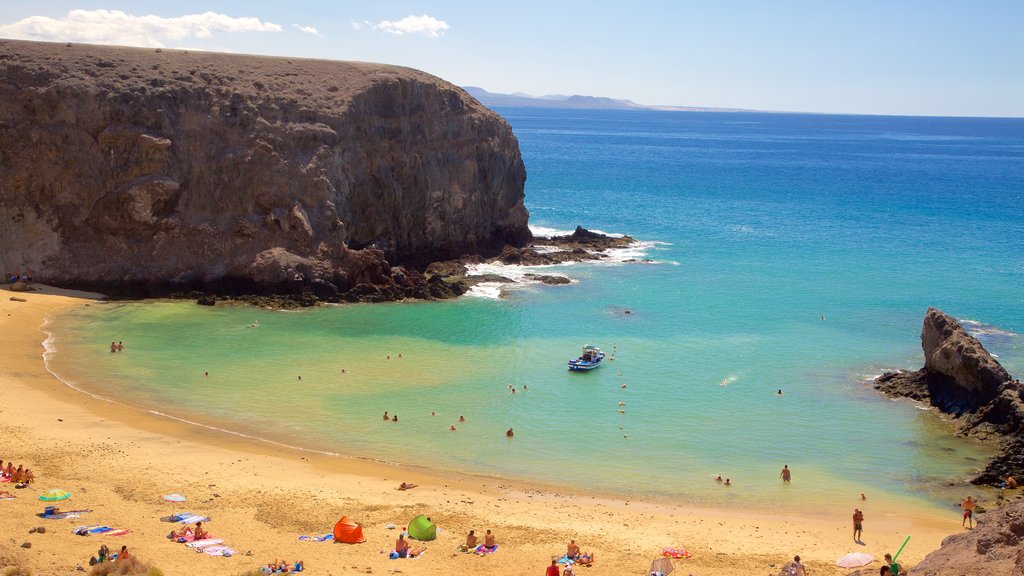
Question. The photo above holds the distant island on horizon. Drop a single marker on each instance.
(577, 101)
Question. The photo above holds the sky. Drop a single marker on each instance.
(904, 57)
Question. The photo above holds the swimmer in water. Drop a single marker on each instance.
(779, 393)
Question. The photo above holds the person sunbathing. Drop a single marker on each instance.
(123, 556)
(471, 540)
(585, 559)
(402, 546)
(572, 551)
(9, 470)
(29, 477)
(197, 534)
(17, 475)
(7, 495)
(489, 542)
(406, 485)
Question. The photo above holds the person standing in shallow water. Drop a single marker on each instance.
(785, 473)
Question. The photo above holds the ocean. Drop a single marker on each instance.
(777, 252)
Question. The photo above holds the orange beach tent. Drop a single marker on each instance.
(348, 531)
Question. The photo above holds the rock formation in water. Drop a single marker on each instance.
(150, 171)
(962, 379)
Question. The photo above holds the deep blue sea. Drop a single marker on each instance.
(779, 252)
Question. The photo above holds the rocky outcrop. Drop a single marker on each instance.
(995, 546)
(153, 171)
(580, 246)
(962, 379)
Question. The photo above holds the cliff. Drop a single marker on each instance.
(150, 171)
(995, 546)
(962, 379)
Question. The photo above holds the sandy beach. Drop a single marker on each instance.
(118, 461)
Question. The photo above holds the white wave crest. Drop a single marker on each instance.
(976, 329)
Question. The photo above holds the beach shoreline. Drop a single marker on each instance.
(118, 460)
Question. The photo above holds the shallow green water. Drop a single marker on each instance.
(788, 252)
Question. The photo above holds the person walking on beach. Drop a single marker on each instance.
(858, 524)
(785, 473)
(968, 507)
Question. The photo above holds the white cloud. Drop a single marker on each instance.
(426, 25)
(117, 27)
(306, 29)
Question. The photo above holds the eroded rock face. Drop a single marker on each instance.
(137, 170)
(972, 377)
(995, 546)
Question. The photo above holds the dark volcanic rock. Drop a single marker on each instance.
(144, 172)
(963, 375)
(548, 279)
(995, 546)
(962, 379)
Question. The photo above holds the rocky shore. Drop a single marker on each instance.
(961, 379)
(440, 280)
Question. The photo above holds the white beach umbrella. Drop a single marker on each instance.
(855, 559)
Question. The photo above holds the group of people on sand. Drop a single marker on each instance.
(473, 543)
(573, 557)
(197, 533)
(282, 566)
(103, 555)
(20, 476)
(18, 276)
(116, 346)
(405, 550)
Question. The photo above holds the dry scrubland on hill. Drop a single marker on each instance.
(146, 171)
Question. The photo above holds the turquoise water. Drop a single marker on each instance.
(786, 252)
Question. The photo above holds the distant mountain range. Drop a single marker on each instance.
(491, 99)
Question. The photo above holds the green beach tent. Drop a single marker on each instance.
(421, 528)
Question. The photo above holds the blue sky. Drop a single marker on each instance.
(895, 57)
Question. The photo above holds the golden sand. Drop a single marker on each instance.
(118, 461)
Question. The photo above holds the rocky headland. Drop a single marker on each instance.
(961, 379)
(139, 172)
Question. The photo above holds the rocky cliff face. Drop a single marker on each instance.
(961, 378)
(142, 170)
(996, 546)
